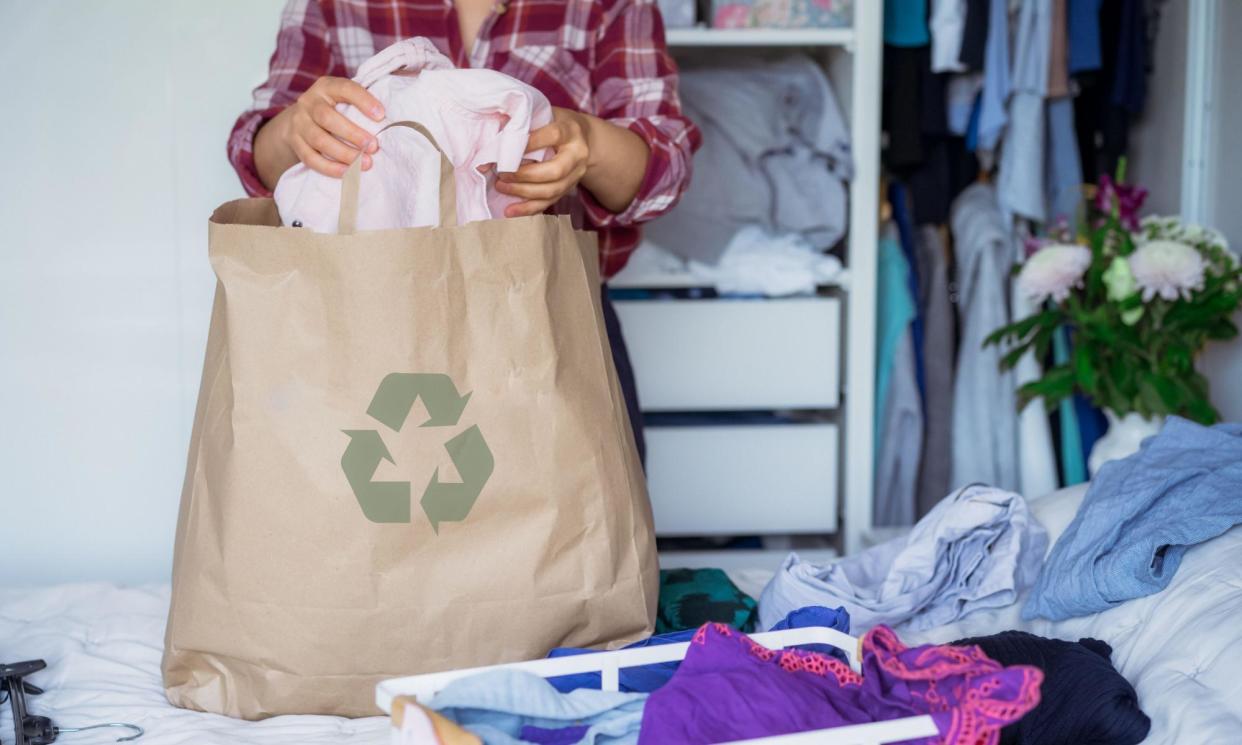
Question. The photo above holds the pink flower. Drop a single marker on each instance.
(1167, 268)
(1054, 270)
(1128, 201)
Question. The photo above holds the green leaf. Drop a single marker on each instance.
(1202, 412)
(1084, 368)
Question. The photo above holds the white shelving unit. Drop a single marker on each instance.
(759, 37)
(768, 355)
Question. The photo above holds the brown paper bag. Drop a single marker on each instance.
(410, 454)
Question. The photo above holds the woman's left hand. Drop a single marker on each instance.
(542, 184)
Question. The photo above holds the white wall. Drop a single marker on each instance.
(1156, 157)
(1156, 139)
(1223, 362)
(114, 123)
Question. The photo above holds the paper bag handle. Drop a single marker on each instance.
(348, 216)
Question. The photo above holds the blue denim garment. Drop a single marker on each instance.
(1138, 518)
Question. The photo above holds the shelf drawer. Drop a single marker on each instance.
(700, 355)
(745, 479)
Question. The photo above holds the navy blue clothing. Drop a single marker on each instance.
(1083, 699)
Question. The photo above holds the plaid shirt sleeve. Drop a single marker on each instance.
(303, 55)
(635, 82)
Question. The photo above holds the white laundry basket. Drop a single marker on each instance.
(609, 664)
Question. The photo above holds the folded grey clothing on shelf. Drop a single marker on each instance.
(977, 549)
(775, 153)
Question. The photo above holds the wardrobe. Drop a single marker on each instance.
(760, 411)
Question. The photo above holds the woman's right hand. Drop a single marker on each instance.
(312, 131)
(322, 137)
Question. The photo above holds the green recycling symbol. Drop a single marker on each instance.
(389, 501)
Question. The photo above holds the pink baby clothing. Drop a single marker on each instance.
(477, 117)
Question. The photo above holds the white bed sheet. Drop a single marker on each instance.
(103, 645)
(1182, 649)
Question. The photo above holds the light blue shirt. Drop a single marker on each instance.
(996, 87)
(1139, 517)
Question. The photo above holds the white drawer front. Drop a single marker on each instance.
(744, 479)
(698, 355)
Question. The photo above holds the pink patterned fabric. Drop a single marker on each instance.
(730, 687)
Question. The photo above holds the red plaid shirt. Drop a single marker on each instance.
(602, 57)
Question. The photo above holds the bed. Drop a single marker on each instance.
(1182, 649)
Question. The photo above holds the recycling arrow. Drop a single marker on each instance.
(381, 501)
(398, 391)
(452, 502)
(389, 501)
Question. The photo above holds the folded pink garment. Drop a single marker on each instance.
(478, 117)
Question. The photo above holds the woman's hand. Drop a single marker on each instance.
(312, 131)
(605, 159)
(542, 184)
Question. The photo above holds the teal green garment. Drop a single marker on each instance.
(895, 310)
(905, 23)
(690, 598)
(1071, 437)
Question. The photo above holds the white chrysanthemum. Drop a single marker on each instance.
(1168, 269)
(1054, 270)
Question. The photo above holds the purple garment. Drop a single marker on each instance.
(731, 688)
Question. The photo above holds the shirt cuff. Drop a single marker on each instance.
(653, 198)
(241, 149)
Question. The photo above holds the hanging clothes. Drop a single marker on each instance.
(1037, 458)
(1058, 51)
(1020, 181)
(975, 34)
(985, 424)
(939, 355)
(905, 23)
(1110, 98)
(948, 25)
(996, 81)
(898, 413)
(1073, 457)
(1063, 177)
(1084, 36)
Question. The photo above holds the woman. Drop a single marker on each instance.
(622, 147)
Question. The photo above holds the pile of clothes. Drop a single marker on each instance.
(980, 548)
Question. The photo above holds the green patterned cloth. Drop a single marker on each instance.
(690, 598)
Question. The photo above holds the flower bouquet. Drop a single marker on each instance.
(1139, 300)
